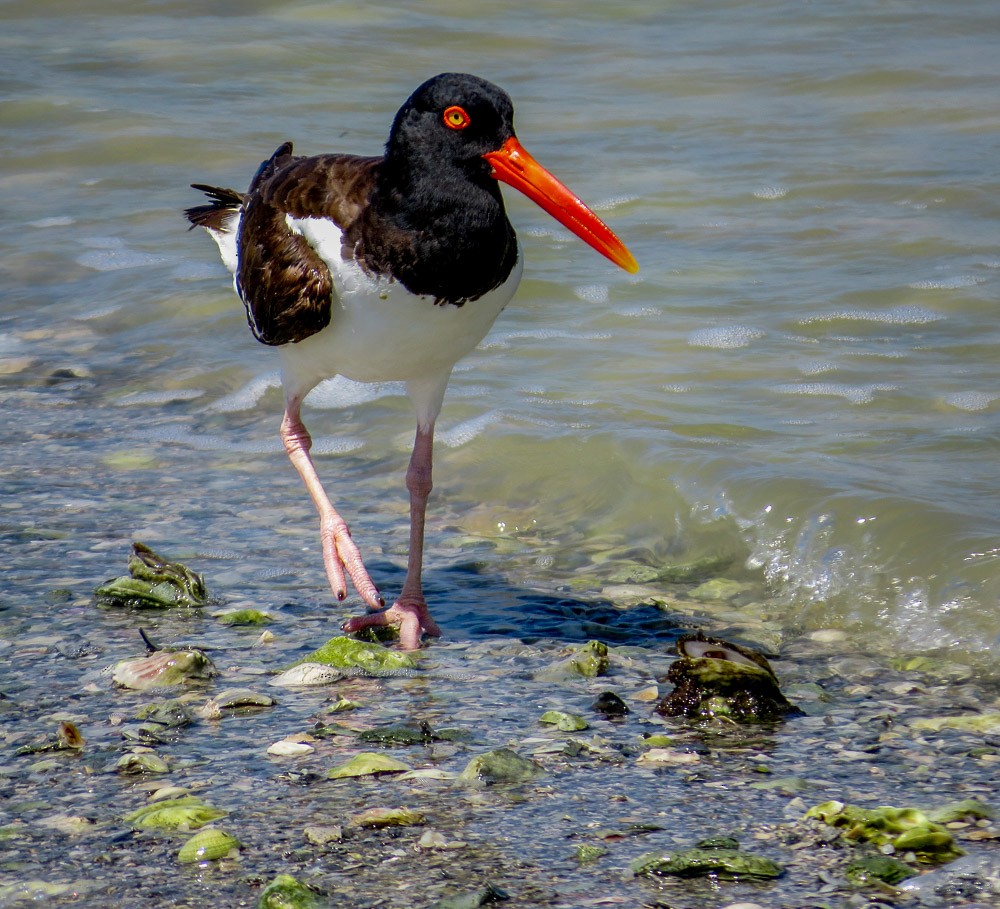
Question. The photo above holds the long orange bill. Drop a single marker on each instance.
(514, 166)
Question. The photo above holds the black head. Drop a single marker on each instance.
(452, 117)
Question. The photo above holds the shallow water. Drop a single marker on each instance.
(801, 378)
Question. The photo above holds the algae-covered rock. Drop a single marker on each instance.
(386, 817)
(872, 868)
(904, 829)
(348, 653)
(715, 679)
(721, 860)
(564, 722)
(367, 763)
(501, 766)
(252, 617)
(189, 813)
(285, 892)
(153, 582)
(967, 809)
(208, 846)
(588, 660)
(972, 722)
(589, 852)
(141, 762)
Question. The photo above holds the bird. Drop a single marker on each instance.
(388, 268)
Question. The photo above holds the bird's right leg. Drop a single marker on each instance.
(340, 554)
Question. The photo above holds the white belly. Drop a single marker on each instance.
(379, 331)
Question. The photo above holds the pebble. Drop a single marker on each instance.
(290, 749)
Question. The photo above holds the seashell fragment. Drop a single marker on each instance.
(163, 668)
(303, 674)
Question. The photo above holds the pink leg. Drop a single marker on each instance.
(339, 552)
(410, 613)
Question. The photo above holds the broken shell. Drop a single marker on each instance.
(163, 668)
(207, 846)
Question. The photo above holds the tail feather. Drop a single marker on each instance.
(223, 205)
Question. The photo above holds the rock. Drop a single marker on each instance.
(501, 766)
(564, 722)
(871, 868)
(609, 705)
(367, 763)
(347, 653)
(716, 679)
(386, 817)
(904, 829)
(720, 861)
(285, 892)
(188, 813)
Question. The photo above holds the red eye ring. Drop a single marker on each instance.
(455, 117)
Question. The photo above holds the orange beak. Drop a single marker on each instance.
(514, 166)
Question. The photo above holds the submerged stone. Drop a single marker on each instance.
(721, 861)
(245, 617)
(904, 829)
(610, 705)
(285, 892)
(153, 582)
(367, 763)
(348, 653)
(189, 813)
(715, 679)
(306, 675)
(141, 762)
(501, 766)
(208, 846)
(588, 660)
(386, 817)
(473, 899)
(564, 722)
(872, 868)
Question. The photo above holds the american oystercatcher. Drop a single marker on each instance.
(388, 269)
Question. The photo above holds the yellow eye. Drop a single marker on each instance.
(455, 117)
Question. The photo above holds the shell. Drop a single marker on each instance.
(207, 846)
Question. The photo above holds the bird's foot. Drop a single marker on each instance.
(408, 614)
(342, 560)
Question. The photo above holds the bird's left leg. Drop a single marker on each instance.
(410, 613)
(340, 554)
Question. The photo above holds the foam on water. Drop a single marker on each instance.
(726, 337)
(464, 432)
(856, 394)
(899, 315)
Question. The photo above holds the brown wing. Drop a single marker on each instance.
(285, 286)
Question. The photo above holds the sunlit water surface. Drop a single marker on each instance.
(802, 379)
